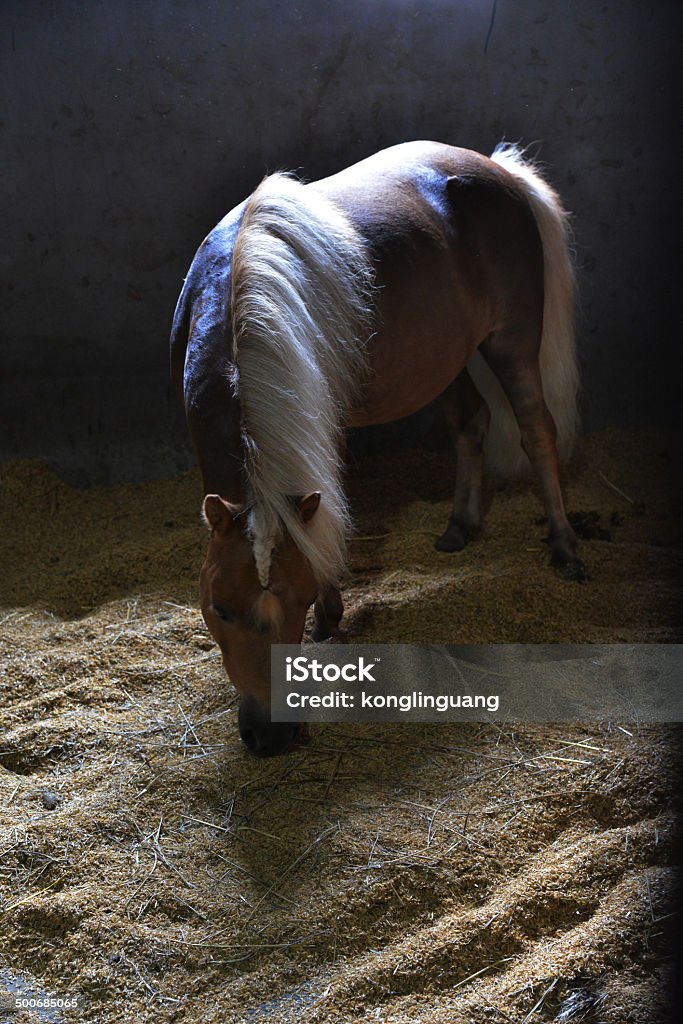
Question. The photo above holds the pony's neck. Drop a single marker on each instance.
(213, 416)
(201, 362)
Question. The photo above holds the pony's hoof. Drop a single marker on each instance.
(452, 540)
(319, 636)
(323, 631)
(570, 569)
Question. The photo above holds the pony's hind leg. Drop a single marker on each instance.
(328, 610)
(468, 420)
(520, 378)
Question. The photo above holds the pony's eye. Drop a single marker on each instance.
(223, 613)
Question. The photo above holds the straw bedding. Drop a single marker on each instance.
(438, 874)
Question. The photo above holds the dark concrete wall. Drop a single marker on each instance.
(129, 128)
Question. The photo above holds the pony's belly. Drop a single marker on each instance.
(404, 381)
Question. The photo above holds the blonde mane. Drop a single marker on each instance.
(301, 307)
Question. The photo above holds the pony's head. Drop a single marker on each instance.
(254, 595)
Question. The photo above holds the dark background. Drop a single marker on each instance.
(130, 128)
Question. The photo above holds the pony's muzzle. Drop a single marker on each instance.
(262, 737)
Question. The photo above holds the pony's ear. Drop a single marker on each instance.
(307, 506)
(218, 514)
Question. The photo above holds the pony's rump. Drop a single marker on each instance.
(301, 307)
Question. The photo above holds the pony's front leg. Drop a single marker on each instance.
(328, 610)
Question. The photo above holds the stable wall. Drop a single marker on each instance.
(129, 129)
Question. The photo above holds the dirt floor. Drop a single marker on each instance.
(437, 874)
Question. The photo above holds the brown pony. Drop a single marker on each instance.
(424, 271)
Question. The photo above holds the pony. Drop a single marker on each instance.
(425, 271)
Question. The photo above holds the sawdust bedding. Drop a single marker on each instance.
(436, 874)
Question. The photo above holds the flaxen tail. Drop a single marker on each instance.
(559, 371)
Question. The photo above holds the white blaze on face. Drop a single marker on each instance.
(263, 530)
